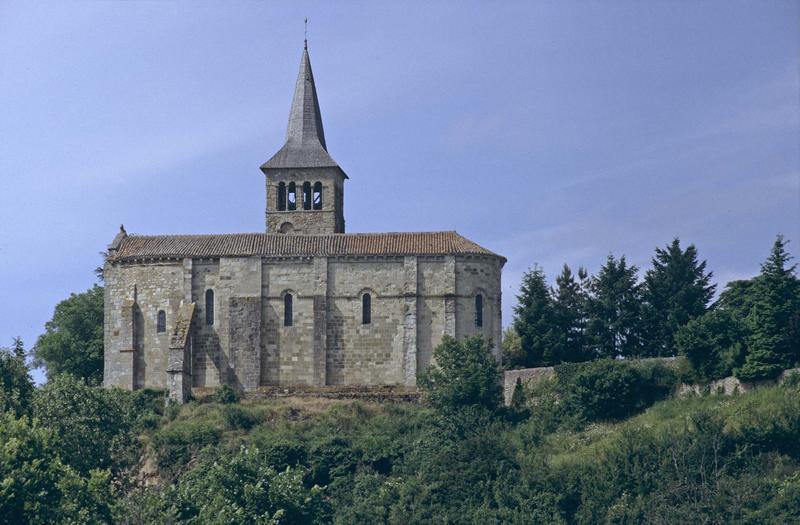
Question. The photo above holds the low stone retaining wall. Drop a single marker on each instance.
(726, 386)
(526, 376)
(731, 385)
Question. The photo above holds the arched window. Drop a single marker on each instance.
(366, 309)
(281, 196)
(209, 306)
(287, 310)
(317, 195)
(292, 197)
(161, 321)
(479, 310)
(306, 195)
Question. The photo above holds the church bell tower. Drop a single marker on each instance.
(305, 186)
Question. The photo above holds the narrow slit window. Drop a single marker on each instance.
(292, 196)
(306, 195)
(366, 309)
(209, 306)
(282, 196)
(317, 197)
(287, 310)
(161, 321)
(479, 310)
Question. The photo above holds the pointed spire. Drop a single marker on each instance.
(305, 138)
(305, 119)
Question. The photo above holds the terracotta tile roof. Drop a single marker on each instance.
(279, 245)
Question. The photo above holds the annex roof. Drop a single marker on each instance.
(132, 247)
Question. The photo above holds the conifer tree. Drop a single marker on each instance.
(676, 289)
(773, 342)
(614, 326)
(570, 299)
(535, 322)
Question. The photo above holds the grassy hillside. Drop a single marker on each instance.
(706, 459)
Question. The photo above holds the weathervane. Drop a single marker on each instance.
(305, 33)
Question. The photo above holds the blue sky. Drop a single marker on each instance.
(549, 132)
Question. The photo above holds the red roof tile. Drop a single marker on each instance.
(279, 245)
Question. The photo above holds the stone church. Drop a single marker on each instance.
(303, 305)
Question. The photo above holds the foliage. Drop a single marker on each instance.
(37, 488)
(244, 488)
(615, 327)
(226, 394)
(613, 390)
(16, 387)
(773, 343)
(512, 347)
(570, 299)
(73, 339)
(534, 321)
(713, 343)
(675, 290)
(94, 425)
(465, 374)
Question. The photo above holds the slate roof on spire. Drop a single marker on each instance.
(305, 139)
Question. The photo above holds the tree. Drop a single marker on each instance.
(92, 423)
(464, 374)
(73, 338)
(713, 343)
(535, 322)
(676, 289)
(512, 347)
(614, 326)
(773, 344)
(16, 387)
(242, 487)
(570, 302)
(37, 487)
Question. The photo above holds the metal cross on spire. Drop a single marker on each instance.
(305, 33)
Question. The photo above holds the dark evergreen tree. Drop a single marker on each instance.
(773, 344)
(570, 301)
(535, 322)
(614, 327)
(676, 289)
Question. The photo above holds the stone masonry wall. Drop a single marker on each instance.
(136, 354)
(415, 301)
(330, 219)
(479, 276)
(372, 353)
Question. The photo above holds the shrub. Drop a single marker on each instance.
(226, 395)
(92, 424)
(465, 374)
(176, 443)
(713, 343)
(238, 418)
(243, 488)
(612, 390)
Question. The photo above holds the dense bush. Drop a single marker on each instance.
(226, 394)
(612, 390)
(94, 425)
(244, 488)
(465, 374)
(37, 487)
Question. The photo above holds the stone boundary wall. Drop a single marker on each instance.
(526, 376)
(726, 386)
(731, 385)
